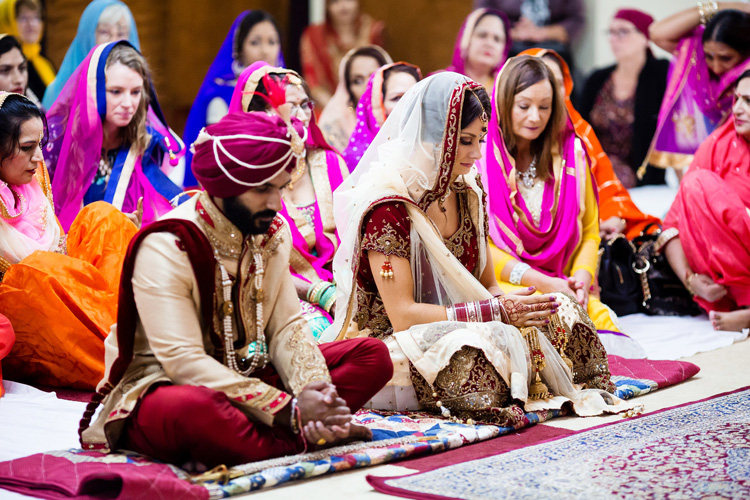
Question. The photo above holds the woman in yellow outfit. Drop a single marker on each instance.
(542, 204)
(22, 19)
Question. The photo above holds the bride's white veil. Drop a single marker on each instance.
(410, 159)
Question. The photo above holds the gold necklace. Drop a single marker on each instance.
(298, 172)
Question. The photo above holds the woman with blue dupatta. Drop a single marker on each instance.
(254, 37)
(108, 140)
(103, 21)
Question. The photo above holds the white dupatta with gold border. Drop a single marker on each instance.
(411, 160)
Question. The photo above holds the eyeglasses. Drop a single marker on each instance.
(621, 33)
(29, 19)
(305, 108)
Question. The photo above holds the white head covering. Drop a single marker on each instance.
(411, 159)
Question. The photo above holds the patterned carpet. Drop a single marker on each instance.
(698, 450)
(68, 473)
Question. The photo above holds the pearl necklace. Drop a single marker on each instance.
(258, 350)
(529, 177)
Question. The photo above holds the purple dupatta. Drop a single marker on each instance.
(550, 246)
(694, 105)
(219, 82)
(75, 148)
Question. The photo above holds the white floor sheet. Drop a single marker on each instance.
(675, 337)
(34, 421)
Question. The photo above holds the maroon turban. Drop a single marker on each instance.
(244, 150)
(640, 19)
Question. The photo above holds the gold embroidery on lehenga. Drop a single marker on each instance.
(460, 241)
(468, 384)
(371, 314)
(584, 348)
(309, 364)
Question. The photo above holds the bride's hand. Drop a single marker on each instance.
(526, 309)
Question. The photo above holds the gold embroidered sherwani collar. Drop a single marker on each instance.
(224, 236)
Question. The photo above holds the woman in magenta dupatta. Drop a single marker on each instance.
(308, 202)
(482, 46)
(551, 225)
(708, 60)
(711, 215)
(381, 95)
(81, 172)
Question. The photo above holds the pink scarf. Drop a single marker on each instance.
(549, 247)
(75, 147)
(29, 216)
(370, 115)
(325, 245)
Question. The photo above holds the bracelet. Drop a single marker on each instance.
(688, 279)
(450, 311)
(480, 311)
(328, 298)
(665, 237)
(707, 10)
(294, 421)
(517, 273)
(315, 293)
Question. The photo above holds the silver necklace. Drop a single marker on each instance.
(529, 177)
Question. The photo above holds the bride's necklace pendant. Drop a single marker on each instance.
(528, 178)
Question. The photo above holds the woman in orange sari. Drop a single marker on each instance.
(617, 212)
(324, 45)
(711, 216)
(58, 291)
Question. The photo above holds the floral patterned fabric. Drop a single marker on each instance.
(694, 451)
(613, 121)
(69, 472)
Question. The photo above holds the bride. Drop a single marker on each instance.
(414, 269)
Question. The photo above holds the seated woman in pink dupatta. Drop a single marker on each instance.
(384, 89)
(542, 203)
(711, 216)
(108, 139)
(711, 50)
(482, 46)
(308, 200)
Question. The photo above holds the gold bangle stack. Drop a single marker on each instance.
(707, 10)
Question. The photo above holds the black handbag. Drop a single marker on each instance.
(619, 285)
(664, 294)
(636, 277)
